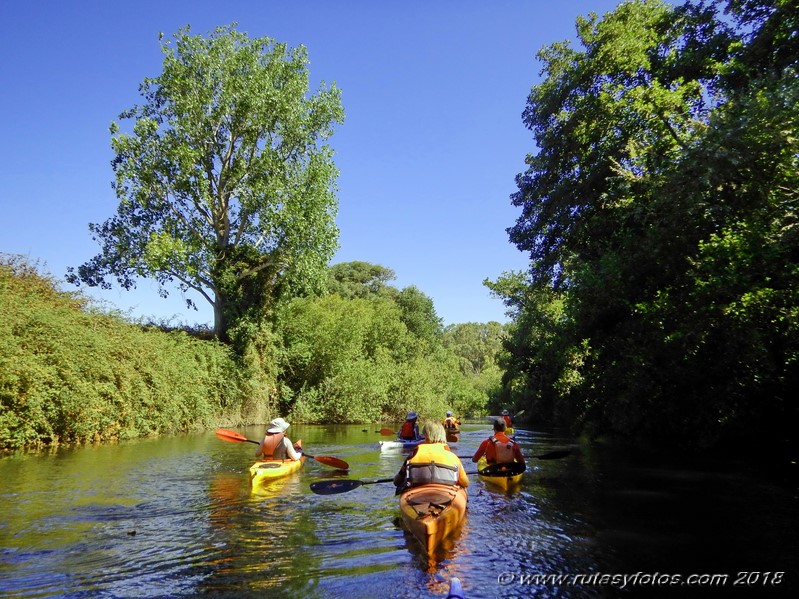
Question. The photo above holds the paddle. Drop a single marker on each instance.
(552, 455)
(334, 487)
(234, 437)
(387, 432)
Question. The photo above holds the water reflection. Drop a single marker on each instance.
(177, 517)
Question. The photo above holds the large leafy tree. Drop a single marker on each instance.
(659, 213)
(225, 183)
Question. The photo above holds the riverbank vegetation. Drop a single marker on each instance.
(71, 373)
(659, 211)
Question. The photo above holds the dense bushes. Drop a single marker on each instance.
(70, 374)
(355, 360)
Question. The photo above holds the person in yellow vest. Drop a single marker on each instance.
(450, 422)
(499, 448)
(276, 445)
(409, 431)
(432, 462)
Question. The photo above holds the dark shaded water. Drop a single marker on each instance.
(176, 517)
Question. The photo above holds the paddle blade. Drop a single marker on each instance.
(387, 432)
(334, 487)
(511, 469)
(232, 436)
(554, 455)
(328, 460)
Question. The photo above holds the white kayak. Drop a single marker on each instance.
(399, 444)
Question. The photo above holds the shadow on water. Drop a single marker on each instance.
(177, 517)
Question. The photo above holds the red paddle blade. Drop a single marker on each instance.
(232, 436)
(387, 432)
(332, 462)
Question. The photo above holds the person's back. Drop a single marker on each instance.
(499, 448)
(431, 463)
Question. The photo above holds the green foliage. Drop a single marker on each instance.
(69, 374)
(369, 353)
(225, 184)
(660, 217)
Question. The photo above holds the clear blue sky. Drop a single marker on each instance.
(433, 137)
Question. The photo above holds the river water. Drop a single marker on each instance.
(175, 517)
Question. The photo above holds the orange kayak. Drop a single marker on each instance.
(433, 512)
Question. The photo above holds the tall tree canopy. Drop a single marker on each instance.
(659, 212)
(225, 184)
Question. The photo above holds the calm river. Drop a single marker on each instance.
(175, 517)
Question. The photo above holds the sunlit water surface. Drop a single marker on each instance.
(176, 517)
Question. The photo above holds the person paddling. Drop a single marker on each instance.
(499, 448)
(276, 445)
(450, 422)
(508, 420)
(410, 428)
(432, 462)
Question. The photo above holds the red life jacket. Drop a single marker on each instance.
(273, 448)
(407, 431)
(500, 451)
(508, 421)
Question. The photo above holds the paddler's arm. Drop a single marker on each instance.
(480, 450)
(259, 449)
(463, 478)
(292, 453)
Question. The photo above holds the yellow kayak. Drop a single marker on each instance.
(503, 482)
(433, 512)
(264, 471)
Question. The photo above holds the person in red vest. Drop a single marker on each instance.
(410, 428)
(276, 445)
(499, 448)
(508, 420)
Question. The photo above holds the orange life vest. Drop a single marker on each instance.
(508, 421)
(273, 448)
(450, 422)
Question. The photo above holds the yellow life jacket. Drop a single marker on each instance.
(433, 463)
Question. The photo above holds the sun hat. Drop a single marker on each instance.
(504, 412)
(411, 416)
(449, 413)
(278, 425)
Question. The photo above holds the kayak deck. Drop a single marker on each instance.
(433, 512)
(503, 482)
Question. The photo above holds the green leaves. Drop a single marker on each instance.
(225, 154)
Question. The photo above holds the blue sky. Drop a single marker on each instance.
(433, 137)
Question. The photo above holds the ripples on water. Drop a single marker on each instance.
(176, 517)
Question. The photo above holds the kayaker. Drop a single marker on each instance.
(409, 431)
(432, 462)
(508, 420)
(499, 448)
(450, 422)
(276, 445)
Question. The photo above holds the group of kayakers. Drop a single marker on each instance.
(432, 461)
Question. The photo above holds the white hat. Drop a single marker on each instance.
(278, 425)
(449, 413)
